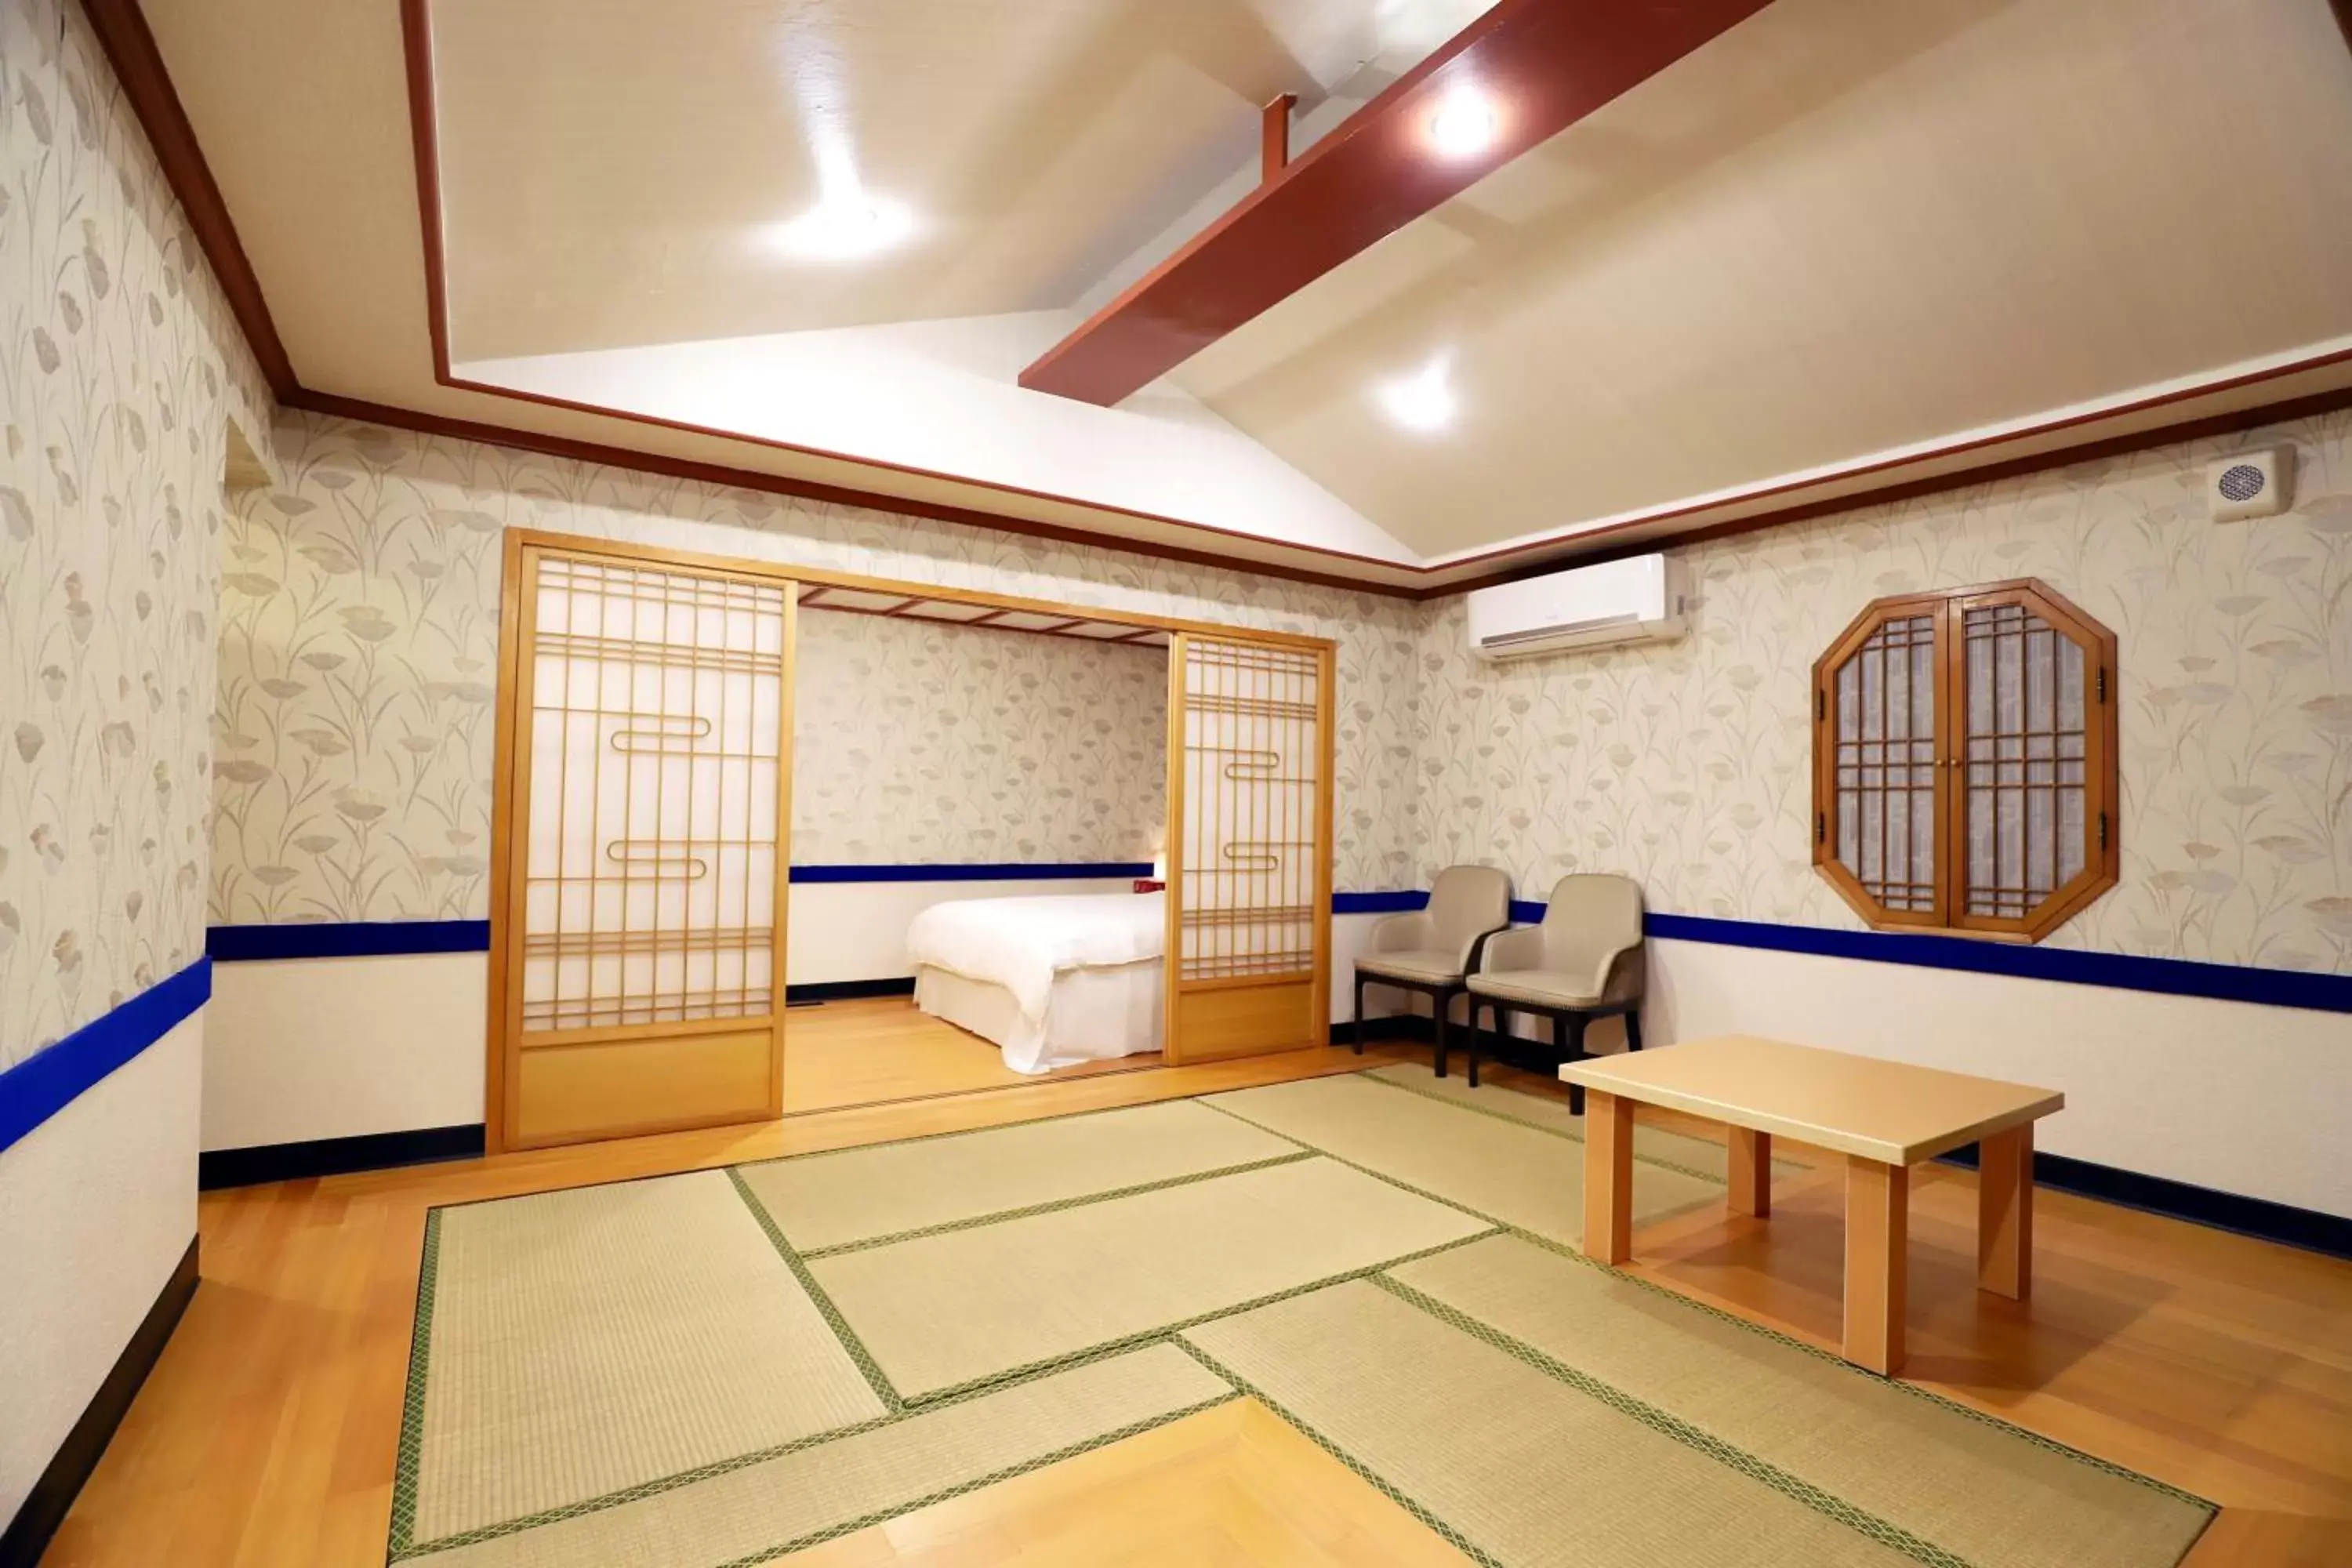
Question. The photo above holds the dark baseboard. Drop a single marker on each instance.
(336, 1156)
(2257, 1217)
(45, 1507)
(845, 990)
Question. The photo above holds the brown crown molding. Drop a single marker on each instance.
(755, 479)
(130, 49)
(2094, 450)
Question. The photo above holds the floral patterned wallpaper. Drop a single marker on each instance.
(359, 637)
(119, 368)
(1687, 765)
(923, 744)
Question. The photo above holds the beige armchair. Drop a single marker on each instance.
(1432, 950)
(1584, 962)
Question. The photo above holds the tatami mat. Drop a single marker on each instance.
(1551, 1110)
(661, 1373)
(1517, 1465)
(844, 1483)
(1518, 1174)
(582, 1341)
(822, 1201)
(1986, 1492)
(946, 1310)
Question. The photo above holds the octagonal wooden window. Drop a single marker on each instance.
(1964, 761)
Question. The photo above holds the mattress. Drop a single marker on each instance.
(1022, 943)
(1053, 981)
(1093, 1015)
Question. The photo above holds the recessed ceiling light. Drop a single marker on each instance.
(1422, 401)
(845, 228)
(1464, 124)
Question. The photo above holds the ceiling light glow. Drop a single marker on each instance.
(1422, 401)
(845, 226)
(1463, 125)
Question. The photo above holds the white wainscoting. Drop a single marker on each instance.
(305, 1048)
(2231, 1095)
(98, 1205)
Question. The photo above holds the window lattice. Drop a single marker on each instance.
(2028, 739)
(1886, 763)
(1965, 774)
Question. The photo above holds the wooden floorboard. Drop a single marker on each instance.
(267, 1433)
(873, 1050)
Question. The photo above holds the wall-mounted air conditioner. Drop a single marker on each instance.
(1636, 600)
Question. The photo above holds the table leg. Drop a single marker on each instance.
(1751, 1171)
(2005, 1213)
(1877, 1237)
(1608, 1177)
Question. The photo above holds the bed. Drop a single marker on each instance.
(1052, 980)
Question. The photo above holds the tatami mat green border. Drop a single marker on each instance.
(412, 1402)
(1665, 1293)
(661, 1484)
(402, 1545)
(1056, 1205)
(867, 1366)
(1166, 1331)
(976, 1483)
(1378, 1076)
(1666, 1423)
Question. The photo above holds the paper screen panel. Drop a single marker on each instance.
(2027, 744)
(1249, 855)
(657, 743)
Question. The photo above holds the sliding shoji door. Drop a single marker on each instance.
(1249, 892)
(641, 950)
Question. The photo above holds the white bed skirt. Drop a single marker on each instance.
(1093, 1013)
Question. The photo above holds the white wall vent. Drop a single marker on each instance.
(1636, 600)
(2251, 484)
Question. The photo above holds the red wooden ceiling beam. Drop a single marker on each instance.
(1542, 65)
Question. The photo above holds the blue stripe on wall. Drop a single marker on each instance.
(1378, 904)
(48, 1082)
(1010, 871)
(2167, 976)
(356, 939)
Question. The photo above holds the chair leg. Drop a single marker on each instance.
(1360, 1014)
(1634, 1028)
(1502, 1021)
(1575, 1022)
(1440, 1003)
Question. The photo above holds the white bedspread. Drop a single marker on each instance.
(1021, 943)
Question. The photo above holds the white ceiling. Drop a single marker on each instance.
(612, 172)
(1842, 230)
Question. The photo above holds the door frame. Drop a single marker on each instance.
(509, 754)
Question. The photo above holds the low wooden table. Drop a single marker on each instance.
(1884, 1116)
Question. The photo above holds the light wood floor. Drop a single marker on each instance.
(872, 1050)
(266, 1435)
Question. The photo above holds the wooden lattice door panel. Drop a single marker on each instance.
(644, 943)
(1965, 771)
(1249, 864)
(2034, 817)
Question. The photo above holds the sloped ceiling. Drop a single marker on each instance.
(1845, 243)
